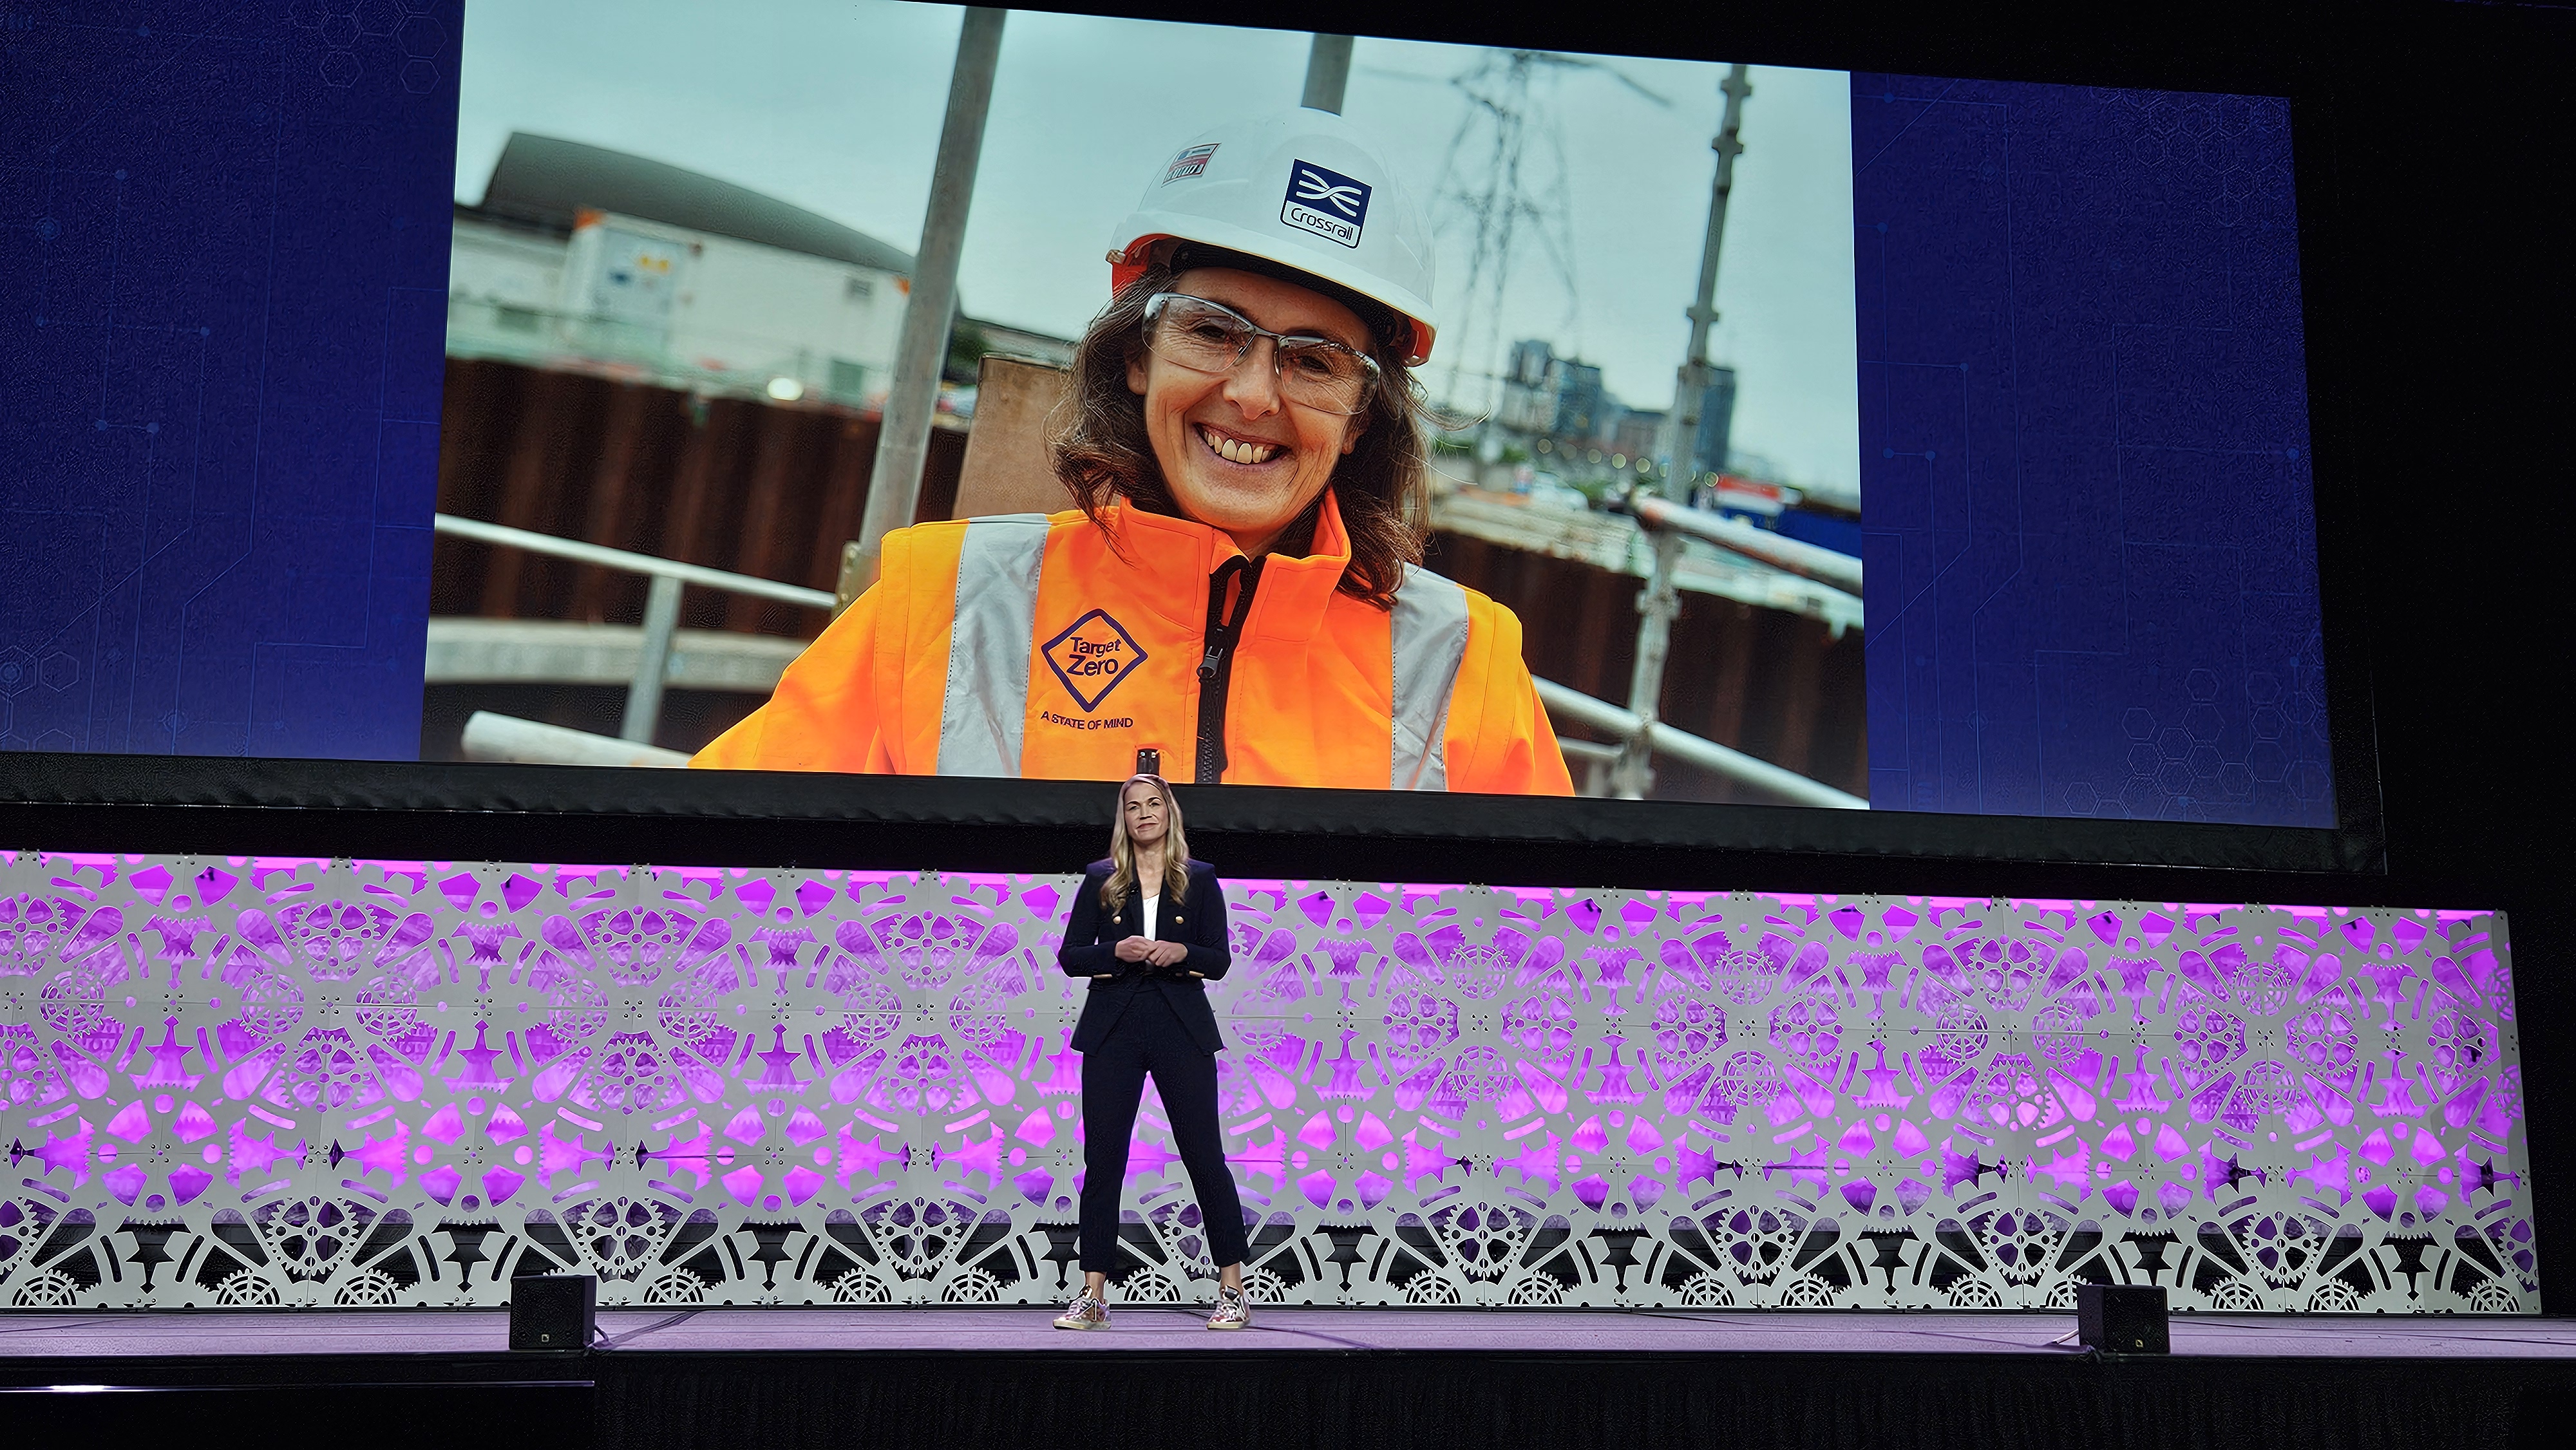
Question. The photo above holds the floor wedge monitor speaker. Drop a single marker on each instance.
(2122, 1318)
(553, 1311)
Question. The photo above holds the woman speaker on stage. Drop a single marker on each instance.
(1148, 929)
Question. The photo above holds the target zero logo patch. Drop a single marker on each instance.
(1325, 202)
(1092, 655)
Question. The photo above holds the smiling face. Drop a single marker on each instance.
(1147, 817)
(1236, 455)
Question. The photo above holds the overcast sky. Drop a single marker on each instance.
(836, 107)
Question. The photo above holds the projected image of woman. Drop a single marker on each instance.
(1238, 585)
(1148, 930)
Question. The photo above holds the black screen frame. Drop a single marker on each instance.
(771, 819)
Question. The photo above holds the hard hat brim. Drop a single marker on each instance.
(1145, 228)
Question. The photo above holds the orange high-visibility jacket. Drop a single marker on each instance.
(1025, 646)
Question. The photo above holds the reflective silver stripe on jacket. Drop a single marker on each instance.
(989, 638)
(994, 630)
(1429, 635)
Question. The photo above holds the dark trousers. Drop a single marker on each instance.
(1150, 1039)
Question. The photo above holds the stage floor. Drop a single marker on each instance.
(1167, 1329)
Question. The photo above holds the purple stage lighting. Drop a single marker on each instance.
(299, 1082)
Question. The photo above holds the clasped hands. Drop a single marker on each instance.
(1160, 956)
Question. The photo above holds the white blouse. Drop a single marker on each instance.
(1152, 905)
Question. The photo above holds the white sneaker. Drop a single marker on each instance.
(1084, 1312)
(1233, 1310)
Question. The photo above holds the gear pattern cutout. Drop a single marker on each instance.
(386, 1084)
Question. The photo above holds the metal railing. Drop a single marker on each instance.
(1777, 781)
(1797, 556)
(661, 604)
(490, 736)
(1658, 605)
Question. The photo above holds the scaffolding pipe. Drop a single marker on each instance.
(1797, 556)
(503, 536)
(1658, 605)
(921, 349)
(1727, 146)
(1660, 602)
(661, 618)
(1328, 73)
(652, 661)
(1782, 784)
(528, 742)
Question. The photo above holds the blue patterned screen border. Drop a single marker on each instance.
(2086, 494)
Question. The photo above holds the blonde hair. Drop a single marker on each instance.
(1122, 852)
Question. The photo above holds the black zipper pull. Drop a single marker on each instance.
(1216, 665)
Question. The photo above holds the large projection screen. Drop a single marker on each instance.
(1971, 511)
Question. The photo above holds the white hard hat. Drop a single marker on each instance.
(1303, 189)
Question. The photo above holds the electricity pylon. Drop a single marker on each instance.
(1506, 175)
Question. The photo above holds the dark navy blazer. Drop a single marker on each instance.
(1090, 950)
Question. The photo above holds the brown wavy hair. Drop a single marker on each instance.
(1102, 455)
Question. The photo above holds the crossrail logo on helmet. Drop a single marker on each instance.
(1271, 187)
(1325, 202)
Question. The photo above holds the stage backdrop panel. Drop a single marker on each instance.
(263, 1082)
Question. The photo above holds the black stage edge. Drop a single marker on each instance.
(1868, 1381)
(1254, 1399)
(1740, 1401)
(476, 811)
(377, 1404)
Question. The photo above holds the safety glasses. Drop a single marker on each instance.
(1209, 337)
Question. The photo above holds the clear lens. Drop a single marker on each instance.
(1204, 337)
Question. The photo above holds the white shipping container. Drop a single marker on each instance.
(641, 291)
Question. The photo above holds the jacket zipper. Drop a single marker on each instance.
(1216, 666)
